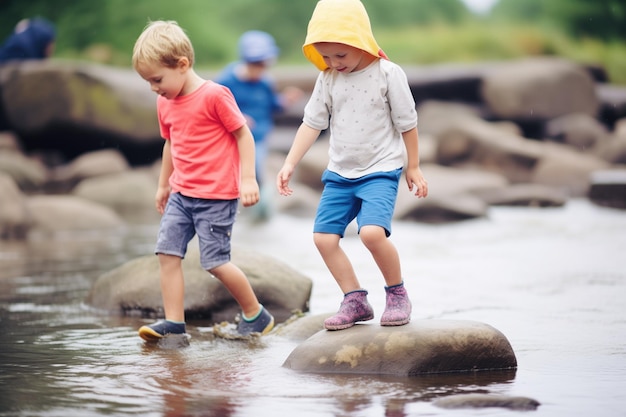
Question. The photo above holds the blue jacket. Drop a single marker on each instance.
(256, 99)
(30, 43)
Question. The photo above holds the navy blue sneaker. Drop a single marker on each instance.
(263, 324)
(160, 329)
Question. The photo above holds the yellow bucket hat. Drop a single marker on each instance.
(340, 21)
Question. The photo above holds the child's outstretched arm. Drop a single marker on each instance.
(249, 187)
(305, 137)
(414, 177)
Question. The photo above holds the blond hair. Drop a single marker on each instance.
(164, 43)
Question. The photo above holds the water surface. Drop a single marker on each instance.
(553, 280)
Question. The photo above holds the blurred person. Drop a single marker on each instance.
(257, 97)
(31, 39)
(207, 167)
(365, 100)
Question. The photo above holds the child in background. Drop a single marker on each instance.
(257, 97)
(32, 39)
(365, 100)
(207, 166)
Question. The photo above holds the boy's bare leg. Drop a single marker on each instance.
(336, 261)
(239, 287)
(172, 287)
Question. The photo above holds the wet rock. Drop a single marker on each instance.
(539, 88)
(53, 213)
(450, 194)
(122, 191)
(567, 169)
(530, 195)
(301, 328)
(437, 116)
(420, 347)
(444, 209)
(613, 150)
(581, 131)
(134, 288)
(89, 165)
(14, 219)
(28, 173)
(608, 188)
(459, 82)
(475, 143)
(302, 203)
(89, 106)
(612, 102)
(313, 164)
(487, 401)
(9, 142)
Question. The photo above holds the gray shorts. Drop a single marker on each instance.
(211, 220)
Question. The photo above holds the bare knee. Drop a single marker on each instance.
(372, 236)
(219, 272)
(325, 242)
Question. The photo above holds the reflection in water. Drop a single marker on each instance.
(99, 365)
(564, 319)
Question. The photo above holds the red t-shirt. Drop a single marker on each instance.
(205, 155)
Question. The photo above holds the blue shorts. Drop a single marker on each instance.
(370, 199)
(211, 220)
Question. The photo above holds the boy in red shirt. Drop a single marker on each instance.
(207, 166)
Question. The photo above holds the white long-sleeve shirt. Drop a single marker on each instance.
(367, 111)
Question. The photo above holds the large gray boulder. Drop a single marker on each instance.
(470, 142)
(124, 191)
(581, 131)
(90, 106)
(420, 347)
(134, 288)
(451, 194)
(539, 88)
(564, 167)
(55, 213)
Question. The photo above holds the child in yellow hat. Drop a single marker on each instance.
(365, 100)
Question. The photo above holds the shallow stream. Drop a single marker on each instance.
(553, 280)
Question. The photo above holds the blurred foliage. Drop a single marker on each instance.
(600, 19)
(411, 31)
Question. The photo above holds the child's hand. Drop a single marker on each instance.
(249, 192)
(282, 180)
(291, 95)
(416, 182)
(162, 195)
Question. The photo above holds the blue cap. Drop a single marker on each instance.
(257, 46)
(29, 41)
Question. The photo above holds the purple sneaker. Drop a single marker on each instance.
(398, 307)
(354, 307)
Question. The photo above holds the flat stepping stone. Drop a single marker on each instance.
(420, 347)
(487, 400)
